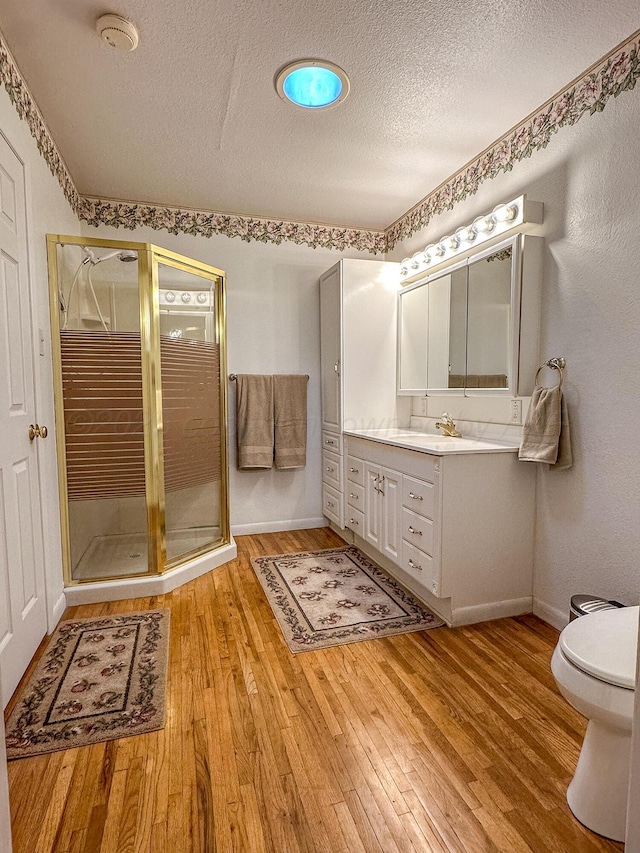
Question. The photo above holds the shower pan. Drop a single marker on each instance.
(138, 338)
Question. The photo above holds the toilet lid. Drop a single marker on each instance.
(604, 645)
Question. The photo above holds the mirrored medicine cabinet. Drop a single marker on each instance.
(471, 327)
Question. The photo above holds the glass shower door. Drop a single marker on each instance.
(193, 449)
(102, 404)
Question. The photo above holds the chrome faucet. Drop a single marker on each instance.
(447, 426)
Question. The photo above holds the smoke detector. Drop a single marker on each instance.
(117, 32)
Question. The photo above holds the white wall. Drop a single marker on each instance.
(48, 212)
(587, 525)
(273, 326)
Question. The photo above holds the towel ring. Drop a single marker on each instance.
(555, 364)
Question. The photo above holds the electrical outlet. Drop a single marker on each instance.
(516, 411)
(421, 408)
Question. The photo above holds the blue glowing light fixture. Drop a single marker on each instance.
(312, 84)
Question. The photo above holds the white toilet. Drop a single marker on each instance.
(594, 665)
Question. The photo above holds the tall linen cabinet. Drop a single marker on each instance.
(358, 317)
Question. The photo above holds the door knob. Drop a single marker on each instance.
(36, 431)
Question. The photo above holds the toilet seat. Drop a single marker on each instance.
(604, 645)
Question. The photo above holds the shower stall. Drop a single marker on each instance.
(138, 338)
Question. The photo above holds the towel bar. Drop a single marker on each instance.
(557, 363)
(234, 376)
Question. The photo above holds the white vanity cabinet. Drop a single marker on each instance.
(358, 305)
(456, 529)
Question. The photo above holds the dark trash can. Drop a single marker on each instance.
(583, 604)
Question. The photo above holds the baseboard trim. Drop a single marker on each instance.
(493, 610)
(93, 593)
(554, 617)
(278, 526)
(57, 612)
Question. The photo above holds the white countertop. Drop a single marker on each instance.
(439, 445)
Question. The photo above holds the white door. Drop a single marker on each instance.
(330, 337)
(22, 587)
(391, 533)
(372, 503)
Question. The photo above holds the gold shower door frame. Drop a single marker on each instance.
(150, 257)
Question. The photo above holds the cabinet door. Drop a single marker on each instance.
(330, 349)
(372, 504)
(391, 529)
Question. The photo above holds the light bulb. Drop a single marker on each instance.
(505, 212)
(466, 235)
(484, 224)
(417, 260)
(451, 242)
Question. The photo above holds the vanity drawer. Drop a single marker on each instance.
(420, 566)
(332, 441)
(355, 496)
(354, 520)
(355, 470)
(417, 530)
(332, 469)
(331, 504)
(419, 496)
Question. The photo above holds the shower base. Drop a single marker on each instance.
(118, 555)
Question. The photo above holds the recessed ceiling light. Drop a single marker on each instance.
(312, 83)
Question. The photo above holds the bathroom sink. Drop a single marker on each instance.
(430, 443)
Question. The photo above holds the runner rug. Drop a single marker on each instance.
(327, 598)
(99, 679)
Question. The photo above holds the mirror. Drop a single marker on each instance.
(489, 320)
(432, 332)
(460, 330)
(446, 331)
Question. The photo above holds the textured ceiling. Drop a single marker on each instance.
(192, 119)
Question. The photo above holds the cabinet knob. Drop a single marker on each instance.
(329, 468)
(354, 470)
(331, 505)
(354, 496)
(413, 565)
(415, 497)
(354, 522)
(413, 530)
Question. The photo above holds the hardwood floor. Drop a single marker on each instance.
(442, 740)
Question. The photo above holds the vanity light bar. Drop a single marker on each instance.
(503, 218)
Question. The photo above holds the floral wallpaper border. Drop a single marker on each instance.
(615, 73)
(200, 223)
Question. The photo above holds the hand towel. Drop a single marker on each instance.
(565, 456)
(290, 417)
(541, 431)
(545, 436)
(254, 421)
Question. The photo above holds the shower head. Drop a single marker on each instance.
(126, 255)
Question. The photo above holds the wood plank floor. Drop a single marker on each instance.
(442, 740)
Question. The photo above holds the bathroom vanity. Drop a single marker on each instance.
(451, 519)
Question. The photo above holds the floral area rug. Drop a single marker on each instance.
(98, 679)
(326, 598)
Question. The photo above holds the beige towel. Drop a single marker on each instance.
(254, 421)
(565, 456)
(542, 435)
(290, 417)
